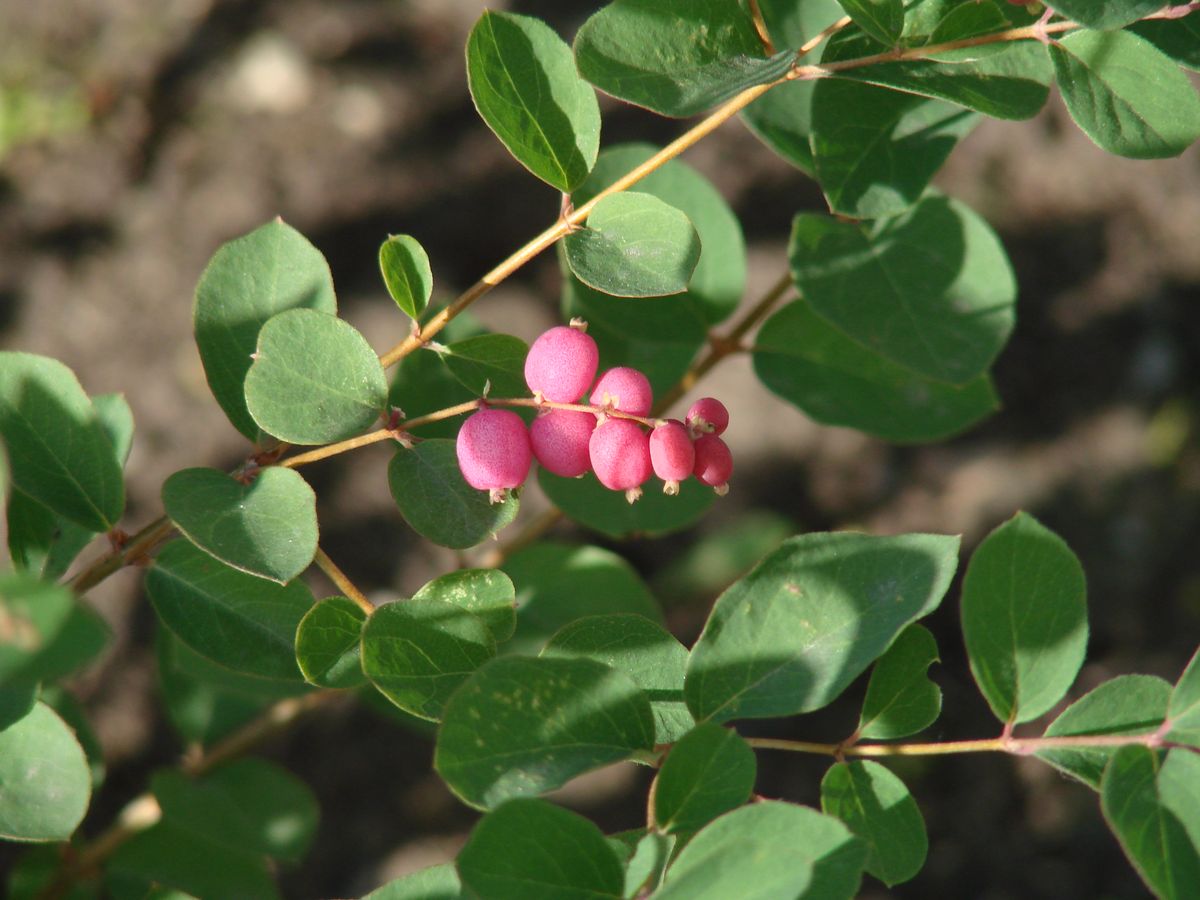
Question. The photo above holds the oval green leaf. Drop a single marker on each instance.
(644, 651)
(45, 781)
(767, 851)
(837, 381)
(883, 20)
(634, 245)
(327, 643)
(1138, 810)
(877, 807)
(1109, 14)
(491, 362)
(1177, 38)
(406, 273)
(523, 80)
(419, 651)
(901, 700)
(1024, 618)
(719, 280)
(675, 57)
(233, 619)
(530, 849)
(488, 593)
(1127, 704)
(931, 289)
(590, 503)
(58, 451)
(558, 584)
(438, 882)
(32, 614)
(1126, 95)
(708, 772)
(1184, 711)
(793, 633)
(439, 505)
(250, 279)
(315, 380)
(266, 528)
(522, 726)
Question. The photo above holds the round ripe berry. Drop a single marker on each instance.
(560, 441)
(620, 455)
(708, 415)
(493, 451)
(561, 364)
(672, 454)
(625, 390)
(714, 462)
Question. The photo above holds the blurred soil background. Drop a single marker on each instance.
(138, 135)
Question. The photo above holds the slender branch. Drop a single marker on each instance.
(1014, 745)
(362, 440)
(760, 26)
(136, 550)
(344, 584)
(143, 811)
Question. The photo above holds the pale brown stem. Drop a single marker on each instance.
(344, 584)
(1014, 745)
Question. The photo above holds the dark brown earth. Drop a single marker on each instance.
(205, 118)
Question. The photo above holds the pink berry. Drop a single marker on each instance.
(561, 364)
(624, 389)
(620, 454)
(560, 441)
(714, 462)
(493, 451)
(708, 416)
(671, 454)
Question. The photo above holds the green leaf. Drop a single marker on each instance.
(17, 697)
(675, 57)
(634, 245)
(708, 772)
(250, 279)
(648, 863)
(782, 119)
(438, 503)
(315, 380)
(204, 701)
(82, 637)
(533, 850)
(791, 635)
(32, 613)
(418, 652)
(901, 700)
(234, 619)
(1179, 787)
(719, 279)
(1125, 94)
(793, 24)
(767, 851)
(171, 856)
(248, 804)
(590, 503)
(879, 161)
(489, 360)
(1127, 704)
(406, 273)
(877, 807)
(41, 542)
(266, 528)
(58, 451)
(488, 593)
(883, 20)
(837, 381)
(433, 883)
(558, 584)
(1177, 38)
(523, 726)
(931, 289)
(71, 711)
(522, 78)
(1024, 618)
(1151, 834)
(116, 418)
(644, 651)
(1105, 15)
(45, 781)
(1004, 81)
(1184, 710)
(327, 643)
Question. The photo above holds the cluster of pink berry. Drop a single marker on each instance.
(495, 449)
